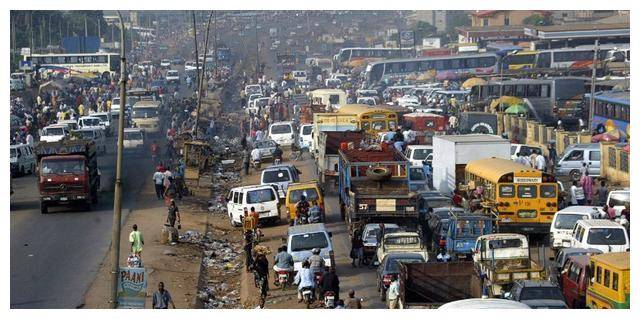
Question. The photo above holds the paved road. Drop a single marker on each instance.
(55, 257)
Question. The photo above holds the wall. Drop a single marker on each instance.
(497, 19)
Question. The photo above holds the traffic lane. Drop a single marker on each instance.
(55, 257)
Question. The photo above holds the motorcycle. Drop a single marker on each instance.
(307, 296)
(329, 300)
(283, 278)
(257, 164)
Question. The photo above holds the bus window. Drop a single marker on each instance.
(527, 191)
(544, 60)
(456, 63)
(507, 191)
(548, 191)
(379, 126)
(607, 276)
(471, 63)
(365, 125)
(545, 90)
(508, 90)
(533, 90)
(521, 90)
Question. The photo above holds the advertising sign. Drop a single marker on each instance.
(132, 288)
(406, 38)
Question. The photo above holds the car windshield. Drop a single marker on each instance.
(567, 221)
(417, 174)
(54, 131)
(305, 242)
(537, 293)
(172, 73)
(132, 135)
(142, 113)
(66, 166)
(470, 228)
(281, 129)
(435, 203)
(620, 199)
(306, 130)
(606, 236)
(393, 264)
(374, 232)
(260, 196)
(309, 193)
(275, 176)
(505, 243)
(402, 240)
(421, 154)
(91, 122)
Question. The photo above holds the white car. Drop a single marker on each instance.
(602, 234)
(165, 63)
(54, 133)
(262, 198)
(133, 139)
(95, 134)
(305, 136)
(253, 89)
(22, 159)
(105, 120)
(190, 65)
(368, 100)
(300, 76)
(282, 133)
(173, 76)
(564, 221)
(91, 122)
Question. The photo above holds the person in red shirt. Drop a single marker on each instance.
(457, 199)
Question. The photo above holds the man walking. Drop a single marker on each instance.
(162, 298)
(136, 240)
(173, 214)
(393, 292)
(158, 180)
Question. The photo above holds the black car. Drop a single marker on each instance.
(390, 266)
(537, 294)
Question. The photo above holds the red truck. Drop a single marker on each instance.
(67, 173)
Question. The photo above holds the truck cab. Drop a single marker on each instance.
(463, 230)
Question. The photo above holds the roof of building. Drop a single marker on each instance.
(578, 30)
(489, 13)
(491, 30)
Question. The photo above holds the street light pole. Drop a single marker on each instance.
(117, 196)
(202, 77)
(593, 83)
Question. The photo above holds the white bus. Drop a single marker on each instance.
(100, 62)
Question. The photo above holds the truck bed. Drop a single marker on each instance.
(365, 188)
(426, 285)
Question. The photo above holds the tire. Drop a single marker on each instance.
(574, 174)
(43, 208)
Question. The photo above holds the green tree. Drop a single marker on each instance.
(537, 19)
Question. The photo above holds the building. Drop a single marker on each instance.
(572, 35)
(582, 16)
(492, 18)
(482, 35)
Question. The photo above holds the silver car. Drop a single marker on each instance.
(266, 148)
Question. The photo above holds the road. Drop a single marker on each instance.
(55, 257)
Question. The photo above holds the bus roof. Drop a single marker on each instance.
(360, 108)
(446, 57)
(619, 260)
(615, 97)
(494, 168)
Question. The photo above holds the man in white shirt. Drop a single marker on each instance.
(255, 155)
(393, 292)
(259, 135)
(29, 139)
(541, 163)
(158, 179)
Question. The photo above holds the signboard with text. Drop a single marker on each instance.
(406, 38)
(132, 288)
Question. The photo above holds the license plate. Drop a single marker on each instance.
(527, 229)
(63, 198)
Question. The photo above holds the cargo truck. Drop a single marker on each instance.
(67, 173)
(452, 152)
(327, 154)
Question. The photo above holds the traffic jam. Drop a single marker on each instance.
(492, 173)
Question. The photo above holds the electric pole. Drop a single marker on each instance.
(203, 76)
(86, 31)
(117, 196)
(195, 39)
(594, 67)
(255, 20)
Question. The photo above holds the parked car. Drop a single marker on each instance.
(22, 159)
(574, 156)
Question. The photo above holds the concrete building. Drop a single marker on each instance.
(492, 18)
(583, 16)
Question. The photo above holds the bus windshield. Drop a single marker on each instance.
(143, 113)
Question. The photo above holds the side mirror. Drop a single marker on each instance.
(506, 295)
(330, 234)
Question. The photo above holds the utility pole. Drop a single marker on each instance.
(86, 31)
(255, 23)
(117, 196)
(99, 34)
(594, 67)
(50, 31)
(195, 39)
(203, 76)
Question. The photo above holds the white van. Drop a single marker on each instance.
(525, 150)
(300, 76)
(54, 133)
(22, 159)
(417, 154)
(105, 120)
(90, 122)
(261, 197)
(133, 139)
(564, 221)
(96, 135)
(282, 133)
(306, 136)
(602, 234)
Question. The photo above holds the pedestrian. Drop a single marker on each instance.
(393, 292)
(540, 162)
(331, 282)
(158, 179)
(136, 240)
(553, 156)
(602, 193)
(611, 212)
(173, 214)
(261, 266)
(587, 185)
(577, 194)
(584, 169)
(353, 302)
(162, 298)
(248, 249)
(246, 160)
(356, 249)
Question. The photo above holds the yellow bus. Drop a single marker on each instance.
(524, 198)
(521, 60)
(609, 287)
(371, 119)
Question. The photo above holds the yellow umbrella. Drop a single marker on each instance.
(426, 76)
(505, 100)
(473, 82)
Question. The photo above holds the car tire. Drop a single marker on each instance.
(43, 208)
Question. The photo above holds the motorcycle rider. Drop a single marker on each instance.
(302, 210)
(255, 156)
(283, 261)
(261, 267)
(315, 213)
(304, 279)
(277, 155)
(330, 282)
(315, 261)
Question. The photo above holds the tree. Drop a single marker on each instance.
(424, 30)
(537, 19)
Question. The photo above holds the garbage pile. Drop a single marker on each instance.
(219, 295)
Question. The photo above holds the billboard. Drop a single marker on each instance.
(407, 38)
(132, 288)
